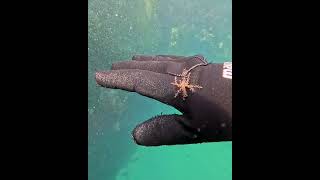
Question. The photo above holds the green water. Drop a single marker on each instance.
(119, 29)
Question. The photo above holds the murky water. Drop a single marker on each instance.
(119, 29)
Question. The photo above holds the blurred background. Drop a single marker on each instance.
(119, 29)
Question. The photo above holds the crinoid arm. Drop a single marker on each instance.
(192, 89)
(175, 81)
(177, 93)
(184, 93)
(184, 72)
(188, 78)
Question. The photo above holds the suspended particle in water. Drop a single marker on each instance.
(116, 15)
(116, 126)
(194, 136)
(220, 45)
(91, 111)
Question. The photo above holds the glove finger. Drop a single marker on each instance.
(158, 58)
(181, 59)
(154, 85)
(155, 66)
(165, 130)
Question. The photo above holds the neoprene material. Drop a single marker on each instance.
(207, 112)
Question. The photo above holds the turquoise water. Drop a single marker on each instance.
(119, 29)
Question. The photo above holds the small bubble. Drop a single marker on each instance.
(116, 14)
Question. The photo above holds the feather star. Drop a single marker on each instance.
(183, 84)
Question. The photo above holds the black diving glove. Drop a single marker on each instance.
(201, 91)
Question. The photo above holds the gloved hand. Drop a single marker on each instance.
(202, 92)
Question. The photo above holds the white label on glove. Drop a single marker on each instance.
(227, 70)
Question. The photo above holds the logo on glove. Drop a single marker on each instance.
(227, 70)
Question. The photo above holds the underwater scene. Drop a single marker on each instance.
(119, 29)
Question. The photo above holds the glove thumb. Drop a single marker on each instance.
(164, 130)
